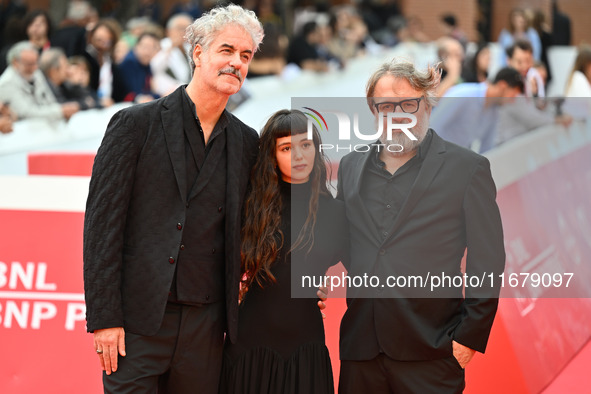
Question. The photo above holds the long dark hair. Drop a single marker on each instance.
(261, 236)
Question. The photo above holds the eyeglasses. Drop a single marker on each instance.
(409, 106)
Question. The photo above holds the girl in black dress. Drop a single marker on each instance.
(292, 227)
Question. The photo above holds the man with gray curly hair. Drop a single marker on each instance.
(414, 207)
(163, 219)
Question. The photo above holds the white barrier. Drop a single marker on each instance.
(41, 307)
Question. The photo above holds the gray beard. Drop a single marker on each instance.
(401, 139)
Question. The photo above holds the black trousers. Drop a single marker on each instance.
(185, 356)
(382, 375)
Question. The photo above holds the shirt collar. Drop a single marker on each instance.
(222, 121)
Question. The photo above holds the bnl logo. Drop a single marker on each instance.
(345, 124)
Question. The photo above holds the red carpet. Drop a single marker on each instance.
(575, 378)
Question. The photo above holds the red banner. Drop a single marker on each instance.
(43, 338)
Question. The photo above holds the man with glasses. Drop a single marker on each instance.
(413, 211)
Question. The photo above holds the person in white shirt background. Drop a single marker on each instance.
(170, 66)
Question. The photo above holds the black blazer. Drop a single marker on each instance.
(451, 206)
(138, 194)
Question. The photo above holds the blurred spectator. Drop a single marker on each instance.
(136, 72)
(395, 32)
(450, 28)
(10, 10)
(78, 71)
(171, 66)
(451, 55)
(120, 51)
(150, 9)
(12, 34)
(7, 118)
(467, 115)
(34, 27)
(579, 81)
(522, 116)
(415, 30)
(349, 33)
(54, 65)
(561, 26)
(303, 49)
(542, 71)
(189, 7)
(135, 27)
(104, 76)
(37, 25)
(270, 58)
(519, 29)
(78, 80)
(520, 57)
(376, 15)
(71, 35)
(325, 34)
(24, 87)
(543, 29)
(266, 11)
(525, 114)
(476, 69)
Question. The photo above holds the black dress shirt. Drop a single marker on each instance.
(384, 193)
(200, 269)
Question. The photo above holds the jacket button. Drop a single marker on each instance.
(219, 209)
(213, 250)
(382, 252)
(206, 297)
(171, 260)
(179, 226)
(182, 247)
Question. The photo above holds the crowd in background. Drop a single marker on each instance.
(90, 59)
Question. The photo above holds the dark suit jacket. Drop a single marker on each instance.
(451, 206)
(138, 194)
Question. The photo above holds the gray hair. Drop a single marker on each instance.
(14, 53)
(50, 59)
(78, 10)
(138, 21)
(425, 81)
(204, 30)
(178, 17)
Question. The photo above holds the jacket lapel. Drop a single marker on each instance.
(172, 125)
(207, 169)
(234, 146)
(433, 161)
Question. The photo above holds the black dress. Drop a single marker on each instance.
(280, 347)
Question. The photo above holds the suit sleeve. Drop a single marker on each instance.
(485, 255)
(109, 196)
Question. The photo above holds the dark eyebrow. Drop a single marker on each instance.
(284, 143)
(232, 47)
